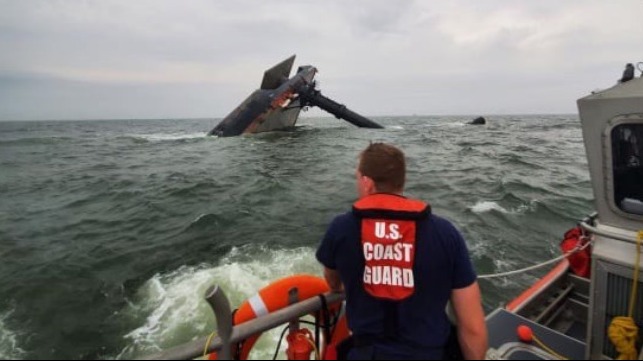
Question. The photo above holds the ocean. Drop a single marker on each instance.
(112, 230)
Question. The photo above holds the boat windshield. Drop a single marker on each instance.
(627, 165)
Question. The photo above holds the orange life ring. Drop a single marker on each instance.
(272, 298)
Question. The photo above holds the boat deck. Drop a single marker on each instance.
(504, 343)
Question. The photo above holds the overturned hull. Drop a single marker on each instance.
(277, 104)
(258, 113)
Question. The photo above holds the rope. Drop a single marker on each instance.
(546, 348)
(623, 331)
(207, 344)
(536, 266)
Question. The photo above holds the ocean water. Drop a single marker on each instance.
(111, 231)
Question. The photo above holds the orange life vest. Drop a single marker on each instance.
(388, 238)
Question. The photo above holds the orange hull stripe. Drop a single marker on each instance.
(562, 267)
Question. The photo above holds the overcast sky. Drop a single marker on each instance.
(198, 59)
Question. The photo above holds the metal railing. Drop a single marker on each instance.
(587, 224)
(228, 334)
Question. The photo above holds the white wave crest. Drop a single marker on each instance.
(200, 217)
(170, 136)
(448, 125)
(9, 348)
(171, 308)
(486, 206)
(527, 207)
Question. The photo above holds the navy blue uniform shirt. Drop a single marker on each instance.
(442, 264)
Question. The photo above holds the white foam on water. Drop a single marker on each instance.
(502, 265)
(486, 206)
(172, 310)
(396, 127)
(9, 348)
(448, 125)
(526, 207)
(170, 136)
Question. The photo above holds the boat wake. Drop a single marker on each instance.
(170, 308)
(9, 349)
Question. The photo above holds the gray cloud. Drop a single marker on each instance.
(161, 59)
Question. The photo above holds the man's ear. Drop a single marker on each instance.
(370, 185)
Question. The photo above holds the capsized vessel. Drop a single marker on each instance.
(277, 104)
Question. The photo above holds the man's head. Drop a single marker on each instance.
(381, 169)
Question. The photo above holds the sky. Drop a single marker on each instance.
(153, 59)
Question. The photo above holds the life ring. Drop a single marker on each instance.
(272, 298)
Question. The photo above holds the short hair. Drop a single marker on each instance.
(385, 165)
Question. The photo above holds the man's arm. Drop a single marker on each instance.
(333, 280)
(472, 330)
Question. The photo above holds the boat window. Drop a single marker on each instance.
(627, 163)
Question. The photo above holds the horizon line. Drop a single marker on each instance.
(301, 117)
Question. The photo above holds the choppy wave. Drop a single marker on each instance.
(159, 137)
(156, 211)
(34, 141)
(488, 206)
(448, 125)
(9, 348)
(172, 308)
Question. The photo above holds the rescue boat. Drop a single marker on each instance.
(589, 305)
(586, 307)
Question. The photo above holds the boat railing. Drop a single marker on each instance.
(588, 225)
(228, 334)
